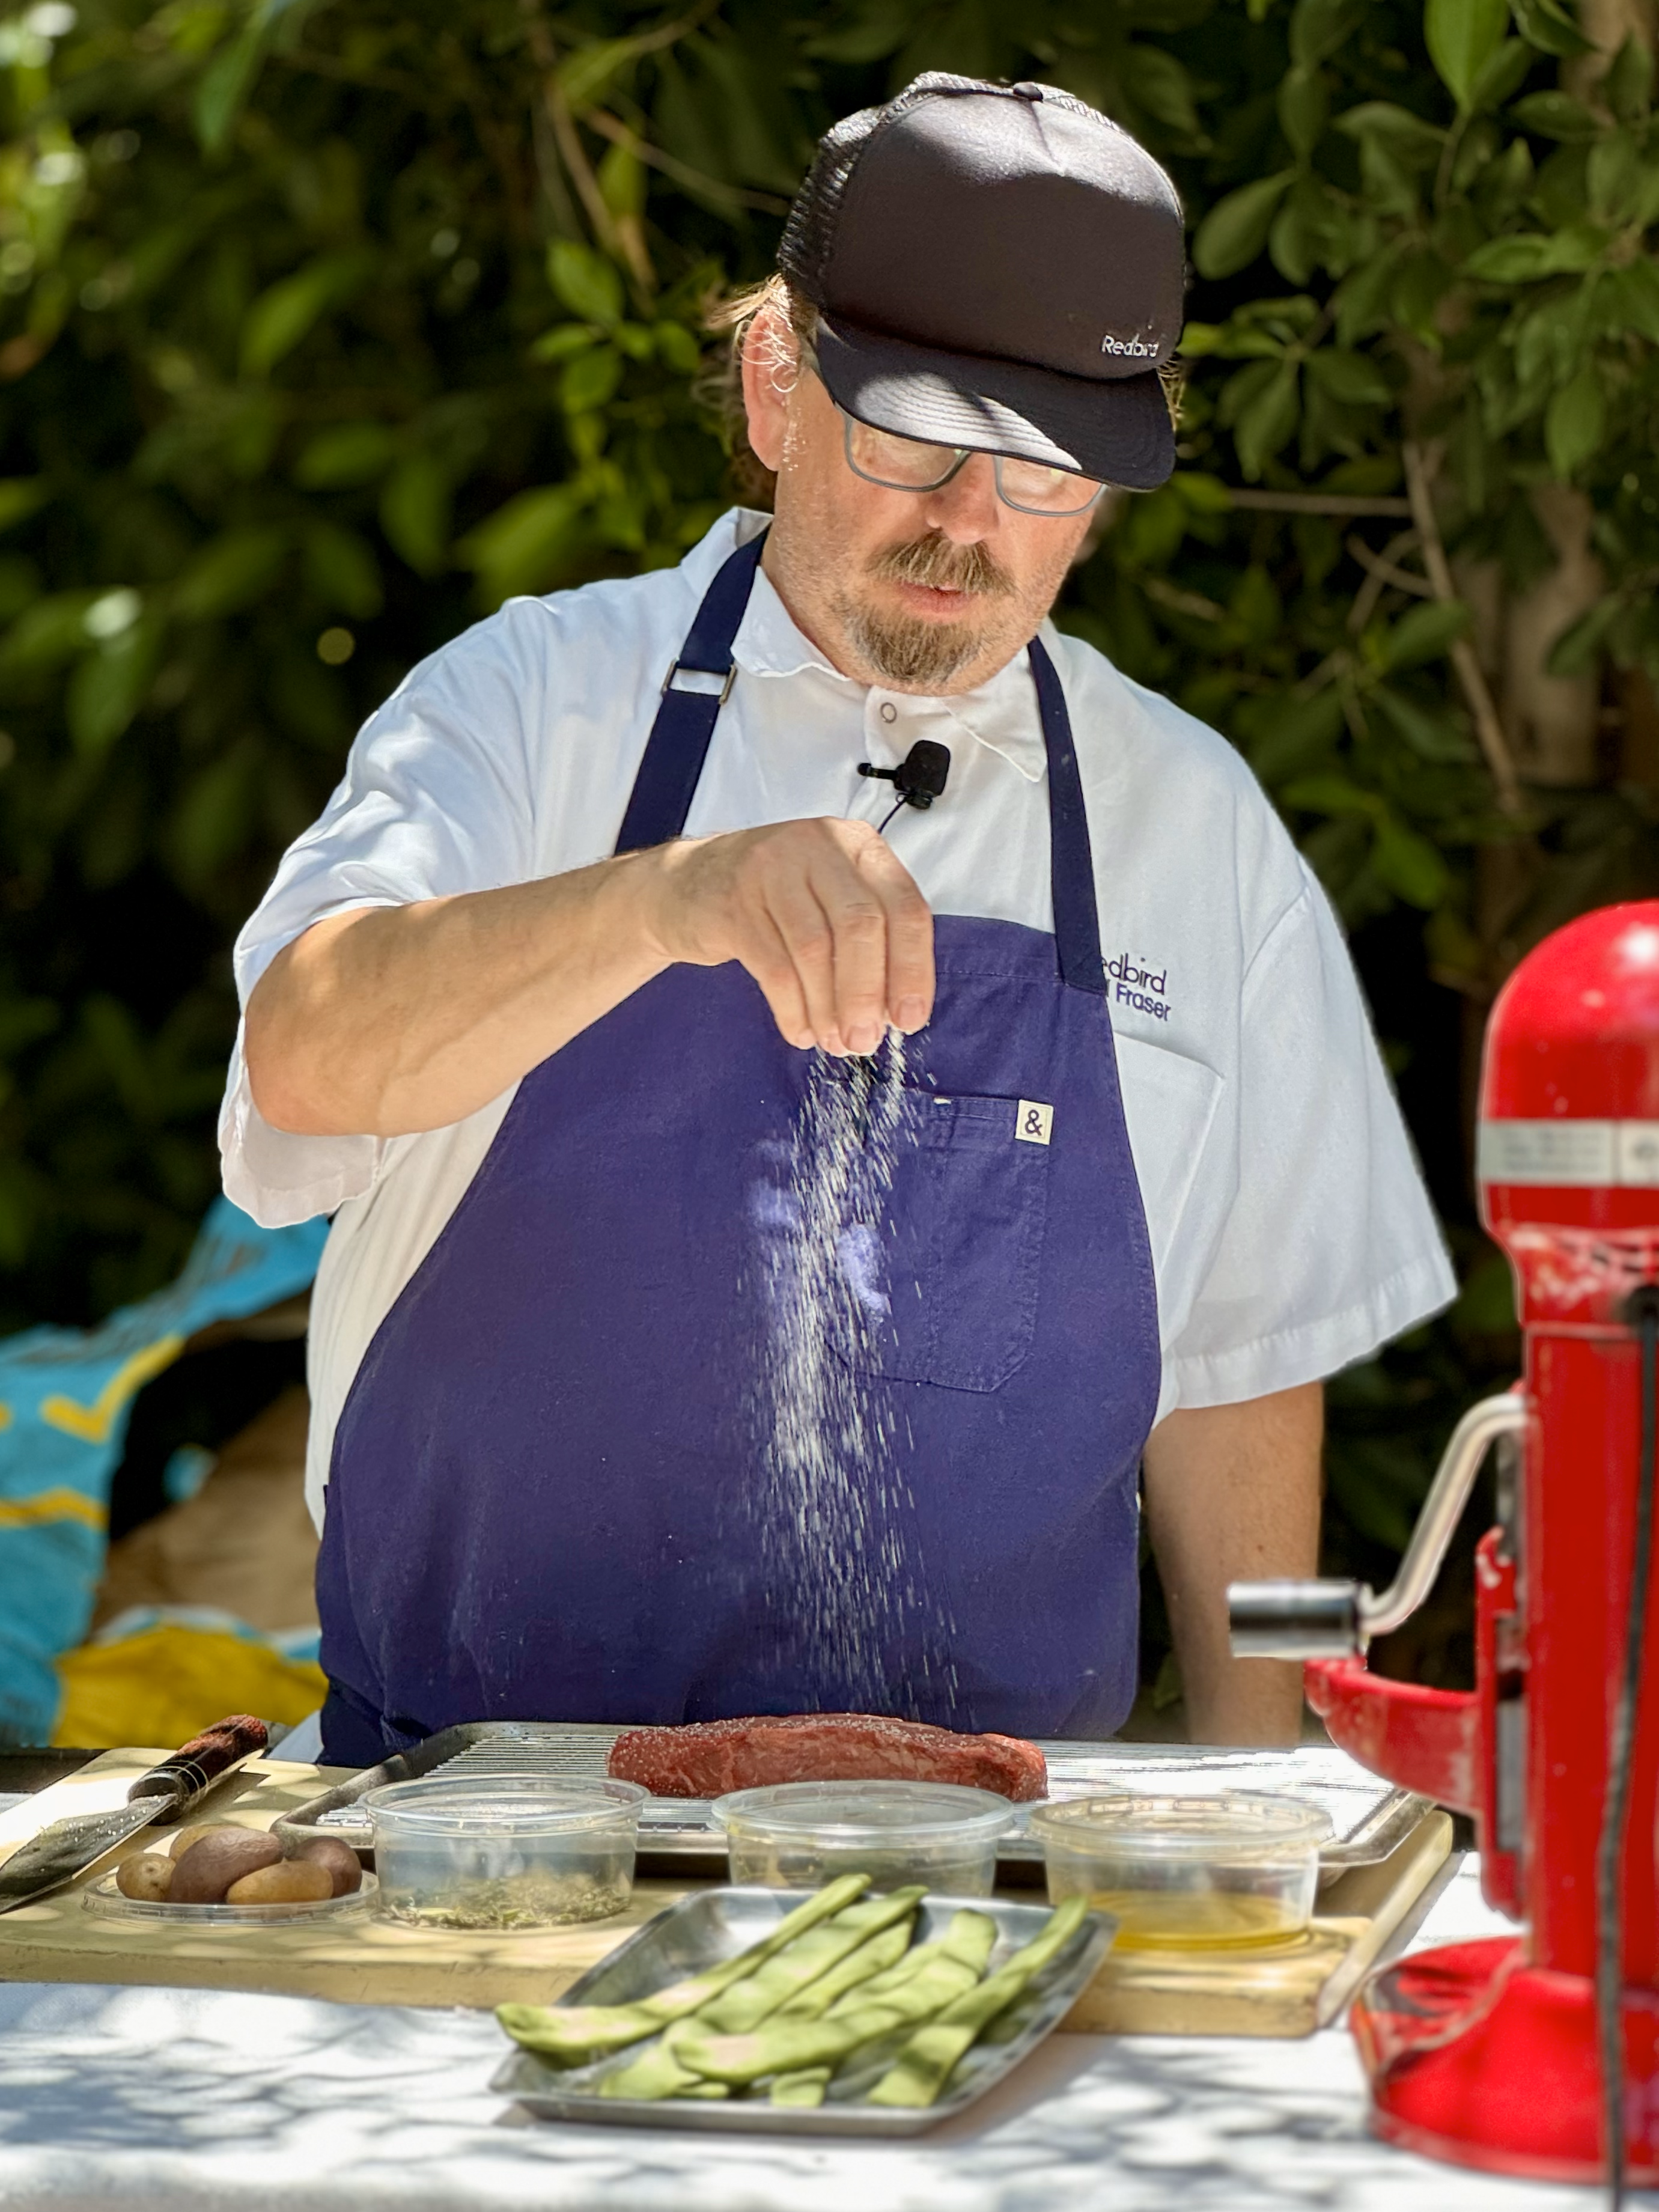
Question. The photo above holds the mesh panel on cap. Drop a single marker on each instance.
(809, 230)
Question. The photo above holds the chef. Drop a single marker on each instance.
(818, 897)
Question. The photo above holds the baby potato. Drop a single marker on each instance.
(339, 1858)
(146, 1875)
(193, 1834)
(210, 1868)
(286, 1881)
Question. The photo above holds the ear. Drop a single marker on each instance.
(770, 366)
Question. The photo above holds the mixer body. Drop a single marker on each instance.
(1486, 2053)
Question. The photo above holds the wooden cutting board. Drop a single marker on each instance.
(366, 1960)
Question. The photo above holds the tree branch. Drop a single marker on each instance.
(1489, 728)
(1317, 502)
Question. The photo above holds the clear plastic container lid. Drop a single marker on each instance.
(503, 1804)
(869, 1815)
(1239, 1824)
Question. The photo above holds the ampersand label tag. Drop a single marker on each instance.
(1034, 1123)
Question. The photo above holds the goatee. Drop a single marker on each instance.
(905, 648)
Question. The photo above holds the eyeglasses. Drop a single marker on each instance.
(881, 457)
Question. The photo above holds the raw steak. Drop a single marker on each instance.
(705, 1759)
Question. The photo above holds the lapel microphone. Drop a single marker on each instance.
(919, 777)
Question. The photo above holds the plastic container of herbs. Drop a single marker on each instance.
(504, 1851)
(1227, 1873)
(797, 1835)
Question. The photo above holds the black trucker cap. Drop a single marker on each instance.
(997, 266)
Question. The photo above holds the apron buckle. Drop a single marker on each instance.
(668, 684)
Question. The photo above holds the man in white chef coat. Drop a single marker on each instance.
(547, 1005)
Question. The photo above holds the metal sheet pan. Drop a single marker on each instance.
(678, 1834)
(700, 1931)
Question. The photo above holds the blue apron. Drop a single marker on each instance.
(551, 1494)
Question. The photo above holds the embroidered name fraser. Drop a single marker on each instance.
(1135, 986)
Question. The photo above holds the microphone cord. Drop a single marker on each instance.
(1642, 1311)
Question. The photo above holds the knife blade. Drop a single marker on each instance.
(69, 1847)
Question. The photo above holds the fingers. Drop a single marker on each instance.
(858, 933)
(822, 915)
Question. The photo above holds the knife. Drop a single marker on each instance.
(69, 1847)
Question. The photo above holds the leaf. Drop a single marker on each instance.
(1161, 85)
(1408, 864)
(1352, 378)
(1548, 27)
(1320, 27)
(1235, 231)
(1502, 74)
(1411, 138)
(47, 634)
(415, 512)
(1630, 299)
(589, 381)
(348, 454)
(1267, 421)
(588, 72)
(341, 569)
(589, 284)
(1305, 106)
(1574, 422)
(1530, 255)
(1333, 795)
(1431, 736)
(281, 316)
(522, 543)
(214, 816)
(234, 572)
(1627, 87)
(21, 497)
(1424, 632)
(1462, 36)
(1554, 115)
(224, 86)
(108, 688)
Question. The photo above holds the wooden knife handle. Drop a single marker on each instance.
(197, 1765)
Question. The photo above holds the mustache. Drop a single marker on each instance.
(933, 560)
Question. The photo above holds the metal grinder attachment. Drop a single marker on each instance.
(1492, 2054)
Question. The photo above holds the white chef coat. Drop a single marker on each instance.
(1290, 1234)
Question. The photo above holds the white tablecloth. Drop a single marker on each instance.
(190, 2100)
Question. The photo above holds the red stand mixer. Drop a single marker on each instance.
(1494, 2054)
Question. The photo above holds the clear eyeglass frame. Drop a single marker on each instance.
(956, 457)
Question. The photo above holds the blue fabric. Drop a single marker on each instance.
(545, 1498)
(65, 1397)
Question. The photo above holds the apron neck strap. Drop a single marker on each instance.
(678, 745)
(1072, 866)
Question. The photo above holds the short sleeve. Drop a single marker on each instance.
(436, 800)
(1330, 1247)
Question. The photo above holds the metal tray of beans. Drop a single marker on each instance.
(1369, 1816)
(702, 1932)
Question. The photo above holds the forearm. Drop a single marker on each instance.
(390, 1019)
(1232, 1495)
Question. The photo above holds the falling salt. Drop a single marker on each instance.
(837, 1517)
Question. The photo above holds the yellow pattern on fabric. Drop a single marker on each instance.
(93, 1423)
(52, 1505)
(5, 1417)
(166, 1684)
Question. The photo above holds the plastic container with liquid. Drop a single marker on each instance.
(1188, 1874)
(504, 1851)
(794, 1835)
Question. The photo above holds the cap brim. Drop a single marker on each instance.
(1115, 429)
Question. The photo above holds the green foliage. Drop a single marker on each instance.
(323, 329)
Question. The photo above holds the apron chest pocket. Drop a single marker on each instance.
(943, 1283)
